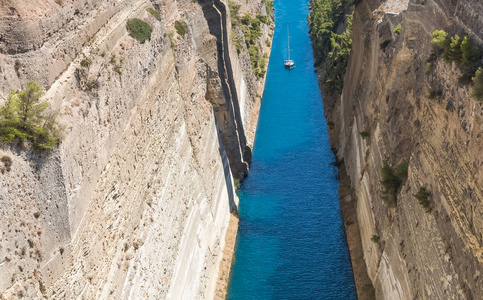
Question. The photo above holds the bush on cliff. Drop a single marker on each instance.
(269, 7)
(180, 27)
(251, 28)
(324, 17)
(234, 12)
(478, 85)
(466, 54)
(375, 238)
(333, 48)
(23, 117)
(264, 19)
(462, 51)
(139, 30)
(392, 180)
(337, 59)
(154, 13)
(423, 196)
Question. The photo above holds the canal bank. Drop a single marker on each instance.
(291, 242)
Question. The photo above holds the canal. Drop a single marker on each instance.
(291, 242)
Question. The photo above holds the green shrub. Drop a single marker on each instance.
(398, 29)
(252, 32)
(260, 73)
(329, 46)
(401, 170)
(440, 39)
(453, 53)
(23, 117)
(236, 183)
(237, 44)
(154, 13)
(469, 53)
(264, 19)
(139, 29)
(336, 61)
(251, 29)
(254, 52)
(364, 134)
(234, 12)
(325, 16)
(423, 197)
(86, 62)
(375, 238)
(246, 19)
(392, 180)
(269, 6)
(478, 85)
(460, 50)
(180, 27)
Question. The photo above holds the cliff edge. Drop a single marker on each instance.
(136, 199)
(401, 105)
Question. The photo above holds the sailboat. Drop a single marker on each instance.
(288, 63)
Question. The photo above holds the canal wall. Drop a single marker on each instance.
(388, 112)
(135, 202)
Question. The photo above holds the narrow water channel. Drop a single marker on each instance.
(291, 242)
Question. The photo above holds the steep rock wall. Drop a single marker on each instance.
(136, 200)
(433, 255)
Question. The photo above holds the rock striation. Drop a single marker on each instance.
(387, 111)
(136, 200)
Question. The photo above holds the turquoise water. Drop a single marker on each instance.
(291, 243)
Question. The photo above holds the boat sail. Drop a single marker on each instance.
(289, 64)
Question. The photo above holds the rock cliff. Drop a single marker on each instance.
(135, 201)
(388, 111)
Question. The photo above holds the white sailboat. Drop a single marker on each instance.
(288, 63)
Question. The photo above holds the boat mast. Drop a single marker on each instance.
(288, 39)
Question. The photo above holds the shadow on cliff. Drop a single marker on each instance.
(228, 180)
(227, 113)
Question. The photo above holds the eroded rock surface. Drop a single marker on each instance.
(136, 200)
(386, 94)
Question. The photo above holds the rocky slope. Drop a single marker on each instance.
(386, 111)
(135, 202)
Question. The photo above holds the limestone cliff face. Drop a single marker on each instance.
(136, 200)
(420, 255)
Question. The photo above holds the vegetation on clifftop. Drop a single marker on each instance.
(464, 53)
(23, 117)
(139, 30)
(252, 32)
(330, 48)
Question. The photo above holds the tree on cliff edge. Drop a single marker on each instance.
(23, 117)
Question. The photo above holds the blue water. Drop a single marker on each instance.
(291, 243)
